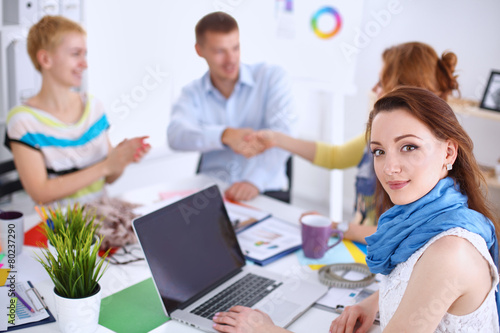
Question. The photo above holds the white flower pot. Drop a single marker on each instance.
(78, 315)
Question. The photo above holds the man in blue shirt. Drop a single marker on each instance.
(216, 113)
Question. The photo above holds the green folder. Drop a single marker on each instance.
(134, 309)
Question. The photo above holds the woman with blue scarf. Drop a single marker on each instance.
(435, 243)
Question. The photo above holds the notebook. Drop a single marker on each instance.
(194, 256)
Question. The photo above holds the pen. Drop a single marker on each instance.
(44, 213)
(39, 213)
(24, 302)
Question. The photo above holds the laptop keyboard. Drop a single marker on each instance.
(247, 291)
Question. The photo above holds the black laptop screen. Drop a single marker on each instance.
(190, 246)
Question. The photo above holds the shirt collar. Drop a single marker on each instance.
(245, 78)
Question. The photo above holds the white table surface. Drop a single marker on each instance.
(119, 277)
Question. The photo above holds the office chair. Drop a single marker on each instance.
(9, 184)
(284, 196)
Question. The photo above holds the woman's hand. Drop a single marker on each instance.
(143, 149)
(267, 138)
(359, 316)
(126, 152)
(240, 319)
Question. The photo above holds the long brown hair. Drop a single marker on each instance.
(438, 116)
(417, 64)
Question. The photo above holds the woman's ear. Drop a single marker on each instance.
(451, 152)
(44, 58)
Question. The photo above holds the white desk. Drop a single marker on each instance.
(118, 277)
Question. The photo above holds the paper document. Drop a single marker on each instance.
(269, 240)
(23, 315)
(339, 298)
(242, 217)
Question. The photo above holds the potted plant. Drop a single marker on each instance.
(75, 268)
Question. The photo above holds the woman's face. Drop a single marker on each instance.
(409, 160)
(68, 61)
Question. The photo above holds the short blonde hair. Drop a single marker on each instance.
(47, 35)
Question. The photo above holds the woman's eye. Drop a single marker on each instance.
(409, 148)
(377, 152)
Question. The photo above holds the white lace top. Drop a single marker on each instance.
(393, 286)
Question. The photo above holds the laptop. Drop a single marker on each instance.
(198, 266)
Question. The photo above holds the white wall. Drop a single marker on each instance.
(128, 39)
(463, 26)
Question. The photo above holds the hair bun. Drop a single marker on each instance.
(449, 60)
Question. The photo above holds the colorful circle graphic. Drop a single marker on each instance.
(336, 28)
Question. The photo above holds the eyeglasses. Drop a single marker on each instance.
(126, 255)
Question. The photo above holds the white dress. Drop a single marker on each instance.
(393, 286)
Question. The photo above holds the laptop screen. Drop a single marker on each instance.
(190, 246)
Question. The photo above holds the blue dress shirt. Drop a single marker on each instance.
(261, 99)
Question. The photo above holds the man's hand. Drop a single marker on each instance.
(242, 191)
(266, 138)
(242, 141)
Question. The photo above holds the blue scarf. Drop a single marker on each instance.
(402, 230)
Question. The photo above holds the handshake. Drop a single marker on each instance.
(248, 142)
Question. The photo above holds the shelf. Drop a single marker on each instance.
(471, 108)
(493, 182)
(489, 175)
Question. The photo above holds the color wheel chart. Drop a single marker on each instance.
(319, 22)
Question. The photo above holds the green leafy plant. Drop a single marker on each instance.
(77, 268)
(75, 222)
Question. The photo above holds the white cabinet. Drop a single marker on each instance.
(19, 12)
(19, 79)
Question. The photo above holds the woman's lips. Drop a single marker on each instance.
(397, 185)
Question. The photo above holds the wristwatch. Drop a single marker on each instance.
(343, 226)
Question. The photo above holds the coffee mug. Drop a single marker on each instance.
(316, 231)
(11, 232)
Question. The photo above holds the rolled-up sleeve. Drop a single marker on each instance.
(186, 131)
(341, 156)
